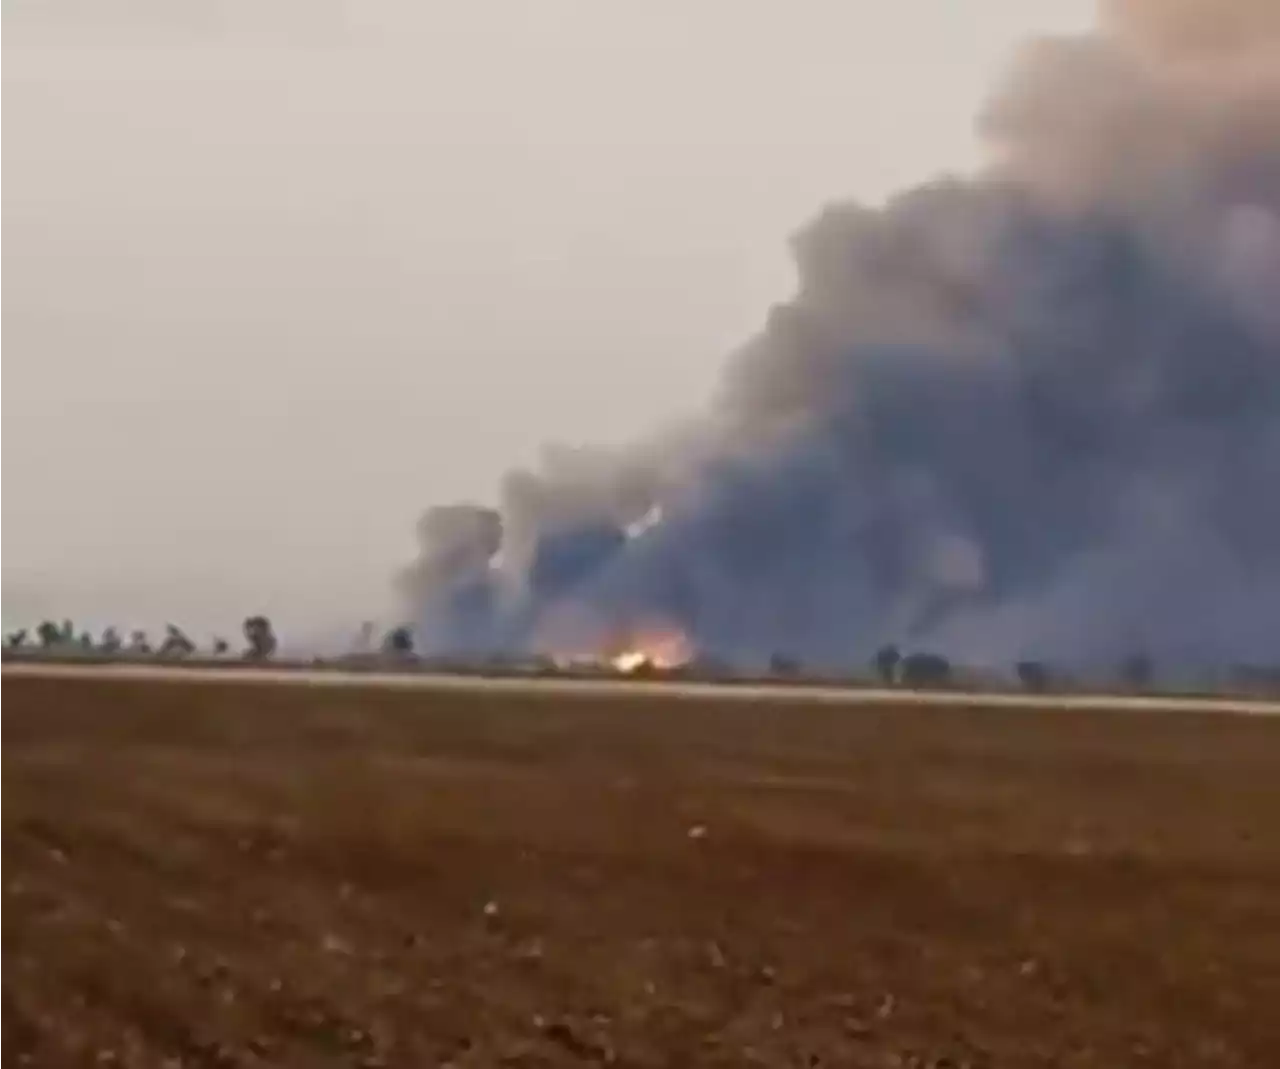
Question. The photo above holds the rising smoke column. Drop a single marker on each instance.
(452, 586)
(1034, 412)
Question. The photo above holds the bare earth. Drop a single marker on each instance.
(236, 875)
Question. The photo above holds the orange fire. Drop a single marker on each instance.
(629, 661)
(662, 649)
(573, 638)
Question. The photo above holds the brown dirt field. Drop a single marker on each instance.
(228, 875)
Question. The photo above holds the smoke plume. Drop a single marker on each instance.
(1032, 412)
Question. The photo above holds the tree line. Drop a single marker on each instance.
(63, 637)
(890, 666)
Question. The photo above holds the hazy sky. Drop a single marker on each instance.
(280, 273)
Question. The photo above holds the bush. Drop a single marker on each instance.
(1033, 675)
(925, 670)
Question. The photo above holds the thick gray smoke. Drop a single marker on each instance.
(1035, 412)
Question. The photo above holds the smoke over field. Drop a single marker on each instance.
(1033, 412)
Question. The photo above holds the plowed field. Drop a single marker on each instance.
(241, 875)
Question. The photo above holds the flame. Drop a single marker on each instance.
(657, 649)
(629, 661)
(573, 639)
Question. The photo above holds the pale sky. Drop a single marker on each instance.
(278, 274)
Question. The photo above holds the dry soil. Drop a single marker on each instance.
(240, 875)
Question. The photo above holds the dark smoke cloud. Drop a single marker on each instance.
(1033, 412)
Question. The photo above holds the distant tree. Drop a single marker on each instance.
(1033, 675)
(1136, 671)
(782, 665)
(364, 638)
(86, 641)
(261, 638)
(220, 646)
(110, 641)
(886, 661)
(16, 639)
(176, 643)
(644, 670)
(138, 642)
(49, 634)
(541, 664)
(925, 670)
(398, 641)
